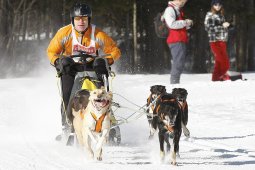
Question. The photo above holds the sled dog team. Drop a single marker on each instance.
(166, 112)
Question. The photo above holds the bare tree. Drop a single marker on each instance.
(136, 59)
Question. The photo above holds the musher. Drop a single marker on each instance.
(79, 37)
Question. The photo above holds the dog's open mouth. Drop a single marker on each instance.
(100, 103)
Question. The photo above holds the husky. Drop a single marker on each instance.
(92, 123)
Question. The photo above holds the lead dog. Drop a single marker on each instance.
(167, 118)
(92, 124)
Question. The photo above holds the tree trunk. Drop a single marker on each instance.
(251, 44)
(4, 25)
(135, 61)
(241, 44)
(24, 22)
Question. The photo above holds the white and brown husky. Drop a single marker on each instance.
(92, 123)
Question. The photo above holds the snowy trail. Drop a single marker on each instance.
(221, 121)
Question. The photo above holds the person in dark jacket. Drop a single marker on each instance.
(217, 29)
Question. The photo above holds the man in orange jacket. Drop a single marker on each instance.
(79, 37)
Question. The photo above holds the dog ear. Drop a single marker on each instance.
(163, 89)
(151, 89)
(186, 92)
(174, 90)
(92, 93)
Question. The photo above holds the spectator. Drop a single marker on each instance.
(217, 29)
(177, 37)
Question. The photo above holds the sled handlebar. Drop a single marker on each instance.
(83, 61)
(86, 56)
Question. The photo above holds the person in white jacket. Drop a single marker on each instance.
(177, 37)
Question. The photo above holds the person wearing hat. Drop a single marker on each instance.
(80, 36)
(217, 29)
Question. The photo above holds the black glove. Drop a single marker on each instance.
(99, 66)
(65, 66)
(57, 64)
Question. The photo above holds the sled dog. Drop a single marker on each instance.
(92, 124)
(156, 91)
(167, 118)
(181, 95)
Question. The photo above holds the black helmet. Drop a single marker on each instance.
(80, 9)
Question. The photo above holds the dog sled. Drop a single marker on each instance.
(87, 80)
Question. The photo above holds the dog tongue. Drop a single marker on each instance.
(101, 104)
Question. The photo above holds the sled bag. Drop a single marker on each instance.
(90, 84)
(235, 75)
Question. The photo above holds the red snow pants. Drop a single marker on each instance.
(219, 49)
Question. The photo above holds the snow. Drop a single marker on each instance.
(221, 122)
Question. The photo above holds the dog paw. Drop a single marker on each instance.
(174, 163)
(185, 130)
(178, 155)
(150, 137)
(162, 156)
(186, 133)
(99, 158)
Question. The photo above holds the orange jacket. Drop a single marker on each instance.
(62, 43)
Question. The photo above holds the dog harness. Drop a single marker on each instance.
(82, 115)
(149, 101)
(183, 106)
(167, 127)
(99, 121)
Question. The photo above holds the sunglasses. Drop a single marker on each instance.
(83, 18)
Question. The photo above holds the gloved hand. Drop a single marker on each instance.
(226, 24)
(57, 64)
(99, 66)
(64, 66)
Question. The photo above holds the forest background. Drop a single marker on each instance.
(27, 26)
